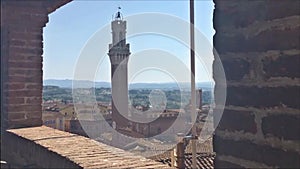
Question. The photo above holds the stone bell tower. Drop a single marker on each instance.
(119, 55)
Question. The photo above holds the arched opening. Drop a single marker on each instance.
(65, 41)
(260, 53)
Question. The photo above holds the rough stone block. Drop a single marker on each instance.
(279, 9)
(234, 120)
(264, 41)
(235, 69)
(225, 164)
(283, 66)
(16, 100)
(15, 86)
(25, 93)
(263, 97)
(238, 14)
(16, 116)
(27, 107)
(283, 126)
(259, 153)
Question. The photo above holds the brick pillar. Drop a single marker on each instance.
(22, 23)
(3, 74)
(258, 44)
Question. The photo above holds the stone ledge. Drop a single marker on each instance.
(50, 148)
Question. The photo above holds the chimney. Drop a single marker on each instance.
(178, 158)
(199, 99)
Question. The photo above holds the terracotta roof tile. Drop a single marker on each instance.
(204, 160)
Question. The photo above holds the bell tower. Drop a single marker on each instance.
(119, 54)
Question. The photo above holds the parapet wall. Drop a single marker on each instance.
(44, 147)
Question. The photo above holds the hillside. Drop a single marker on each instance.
(89, 84)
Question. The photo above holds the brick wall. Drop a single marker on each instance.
(259, 45)
(22, 25)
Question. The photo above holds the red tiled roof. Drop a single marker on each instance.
(204, 161)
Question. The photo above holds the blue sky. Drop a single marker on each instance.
(71, 26)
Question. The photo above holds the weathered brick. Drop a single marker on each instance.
(16, 100)
(34, 43)
(238, 14)
(23, 123)
(259, 153)
(19, 42)
(282, 126)
(30, 7)
(26, 33)
(263, 97)
(280, 9)
(27, 107)
(225, 164)
(284, 66)
(244, 27)
(27, 19)
(224, 43)
(33, 144)
(32, 100)
(15, 86)
(16, 116)
(25, 93)
(36, 114)
(35, 18)
(275, 40)
(235, 69)
(234, 120)
(23, 75)
(30, 79)
(31, 22)
(264, 41)
(34, 86)
(18, 50)
(21, 47)
(24, 71)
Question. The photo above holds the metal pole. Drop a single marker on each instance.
(193, 92)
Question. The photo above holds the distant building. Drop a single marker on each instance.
(119, 54)
(199, 99)
(53, 119)
(88, 128)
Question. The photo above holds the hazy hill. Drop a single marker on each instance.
(89, 84)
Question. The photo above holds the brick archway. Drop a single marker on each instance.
(22, 25)
(258, 43)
